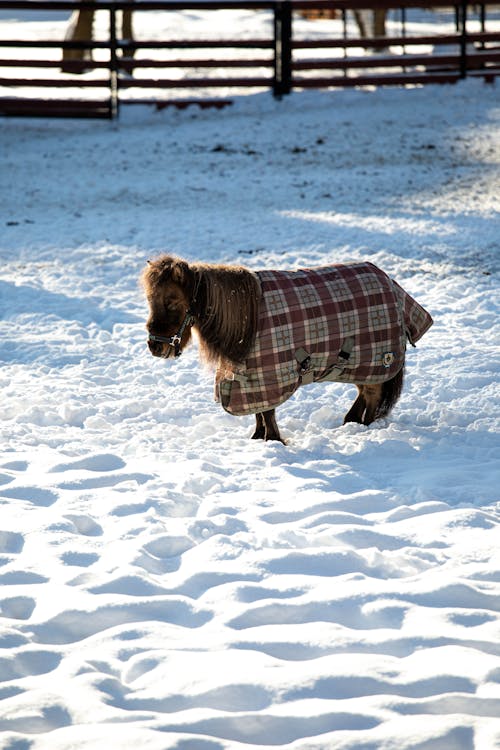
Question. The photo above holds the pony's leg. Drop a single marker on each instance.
(266, 427)
(365, 407)
(375, 401)
(355, 413)
(272, 431)
(260, 430)
(372, 395)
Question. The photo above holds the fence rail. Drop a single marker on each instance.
(293, 55)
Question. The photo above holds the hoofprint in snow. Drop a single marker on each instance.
(165, 581)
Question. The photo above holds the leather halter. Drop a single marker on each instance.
(175, 340)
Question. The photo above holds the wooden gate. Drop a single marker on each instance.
(109, 72)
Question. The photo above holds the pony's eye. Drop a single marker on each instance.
(172, 314)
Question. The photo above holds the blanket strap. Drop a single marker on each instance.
(230, 375)
(342, 360)
(307, 371)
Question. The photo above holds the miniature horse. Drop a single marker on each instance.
(269, 332)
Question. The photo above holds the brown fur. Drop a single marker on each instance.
(375, 401)
(224, 302)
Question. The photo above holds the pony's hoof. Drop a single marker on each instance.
(258, 435)
(275, 439)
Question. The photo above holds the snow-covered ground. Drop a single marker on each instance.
(165, 581)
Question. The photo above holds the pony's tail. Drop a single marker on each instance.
(391, 391)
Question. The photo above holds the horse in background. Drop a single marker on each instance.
(269, 332)
(80, 29)
(369, 22)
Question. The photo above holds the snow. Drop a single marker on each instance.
(167, 582)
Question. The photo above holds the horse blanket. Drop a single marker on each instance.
(347, 323)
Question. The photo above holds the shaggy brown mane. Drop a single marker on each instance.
(228, 300)
(224, 300)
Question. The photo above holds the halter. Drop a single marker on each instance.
(175, 340)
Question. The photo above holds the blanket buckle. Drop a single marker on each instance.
(305, 370)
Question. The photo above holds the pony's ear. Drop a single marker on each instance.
(179, 272)
(166, 268)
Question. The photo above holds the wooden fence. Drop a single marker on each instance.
(293, 56)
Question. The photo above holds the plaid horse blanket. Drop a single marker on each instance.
(347, 323)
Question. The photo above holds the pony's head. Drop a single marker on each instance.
(167, 284)
(222, 302)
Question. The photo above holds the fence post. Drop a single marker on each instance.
(463, 39)
(113, 64)
(282, 48)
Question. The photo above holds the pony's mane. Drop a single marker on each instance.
(226, 305)
(224, 300)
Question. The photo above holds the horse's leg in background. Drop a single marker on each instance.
(360, 17)
(127, 35)
(371, 23)
(379, 17)
(266, 427)
(79, 30)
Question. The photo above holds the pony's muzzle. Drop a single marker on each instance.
(163, 347)
(156, 348)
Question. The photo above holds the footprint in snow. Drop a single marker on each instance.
(204, 529)
(252, 593)
(84, 525)
(168, 546)
(104, 480)
(74, 625)
(17, 607)
(6, 478)
(15, 466)
(100, 463)
(79, 559)
(36, 495)
(26, 720)
(129, 585)
(471, 619)
(28, 661)
(11, 542)
(162, 555)
(349, 614)
(283, 729)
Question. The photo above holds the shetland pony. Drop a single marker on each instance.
(265, 332)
